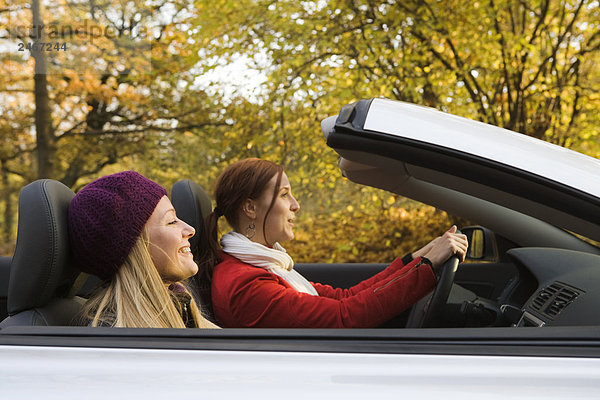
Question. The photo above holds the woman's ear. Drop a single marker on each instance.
(249, 208)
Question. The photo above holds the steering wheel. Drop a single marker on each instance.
(427, 311)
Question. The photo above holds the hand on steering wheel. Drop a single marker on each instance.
(451, 248)
(439, 250)
(440, 293)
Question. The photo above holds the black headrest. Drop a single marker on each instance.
(192, 205)
(40, 269)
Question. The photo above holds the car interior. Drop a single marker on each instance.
(42, 284)
(41, 287)
(525, 267)
(502, 284)
(499, 285)
(4, 275)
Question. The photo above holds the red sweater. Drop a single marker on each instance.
(245, 296)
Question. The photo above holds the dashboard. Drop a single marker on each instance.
(534, 287)
(565, 287)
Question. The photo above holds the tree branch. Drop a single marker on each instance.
(556, 47)
(100, 132)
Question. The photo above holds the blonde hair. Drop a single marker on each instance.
(136, 297)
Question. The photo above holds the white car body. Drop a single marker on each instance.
(472, 137)
(100, 373)
(526, 199)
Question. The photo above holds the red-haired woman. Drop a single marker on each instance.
(253, 280)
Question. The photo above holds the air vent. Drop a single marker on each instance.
(554, 298)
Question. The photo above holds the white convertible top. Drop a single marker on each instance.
(431, 126)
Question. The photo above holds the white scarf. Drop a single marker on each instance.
(275, 260)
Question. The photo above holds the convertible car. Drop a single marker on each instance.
(517, 320)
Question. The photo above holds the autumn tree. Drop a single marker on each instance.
(87, 84)
(125, 92)
(525, 65)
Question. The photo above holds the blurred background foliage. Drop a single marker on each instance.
(180, 88)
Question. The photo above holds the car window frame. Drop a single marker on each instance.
(581, 341)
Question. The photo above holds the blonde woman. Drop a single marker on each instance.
(123, 229)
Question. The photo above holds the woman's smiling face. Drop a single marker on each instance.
(279, 224)
(169, 243)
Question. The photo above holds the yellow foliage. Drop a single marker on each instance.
(373, 236)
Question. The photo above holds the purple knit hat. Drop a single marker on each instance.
(107, 217)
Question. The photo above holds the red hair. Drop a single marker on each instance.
(245, 179)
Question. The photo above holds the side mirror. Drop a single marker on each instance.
(482, 244)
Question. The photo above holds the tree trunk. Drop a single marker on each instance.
(43, 128)
(8, 207)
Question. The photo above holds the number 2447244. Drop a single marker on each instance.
(41, 46)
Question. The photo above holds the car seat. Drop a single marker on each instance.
(42, 278)
(4, 274)
(192, 205)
